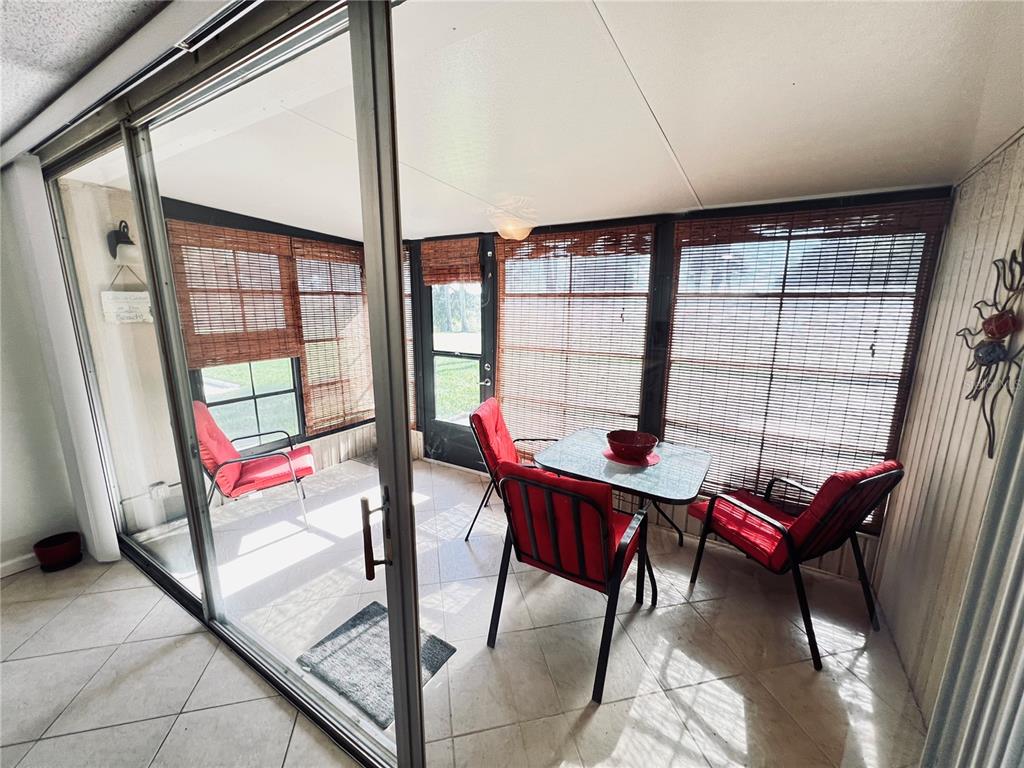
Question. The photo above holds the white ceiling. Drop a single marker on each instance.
(45, 45)
(561, 112)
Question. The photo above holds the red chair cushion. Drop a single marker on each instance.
(746, 532)
(215, 448)
(270, 471)
(596, 560)
(492, 432)
(829, 493)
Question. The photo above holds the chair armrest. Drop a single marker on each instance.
(244, 459)
(786, 481)
(767, 519)
(535, 440)
(627, 538)
(263, 434)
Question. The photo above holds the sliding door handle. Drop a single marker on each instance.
(368, 560)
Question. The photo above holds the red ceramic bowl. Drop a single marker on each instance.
(57, 552)
(630, 445)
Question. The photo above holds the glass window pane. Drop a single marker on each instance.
(235, 420)
(456, 308)
(272, 375)
(456, 388)
(227, 382)
(278, 412)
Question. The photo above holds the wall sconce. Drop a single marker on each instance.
(120, 238)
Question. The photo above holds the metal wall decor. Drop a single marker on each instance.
(994, 357)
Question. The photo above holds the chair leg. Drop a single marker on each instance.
(801, 596)
(865, 585)
(483, 503)
(654, 584)
(499, 593)
(606, 640)
(641, 566)
(704, 531)
(301, 494)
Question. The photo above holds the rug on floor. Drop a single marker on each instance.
(355, 660)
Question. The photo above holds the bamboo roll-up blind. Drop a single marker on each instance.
(454, 260)
(794, 335)
(234, 294)
(572, 318)
(337, 379)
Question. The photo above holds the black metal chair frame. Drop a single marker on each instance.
(300, 492)
(492, 484)
(871, 490)
(612, 577)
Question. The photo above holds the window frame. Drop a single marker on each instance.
(195, 376)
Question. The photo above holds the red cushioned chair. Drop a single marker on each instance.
(569, 528)
(780, 541)
(234, 475)
(496, 445)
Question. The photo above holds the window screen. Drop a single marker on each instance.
(793, 338)
(572, 316)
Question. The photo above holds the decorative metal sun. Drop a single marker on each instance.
(994, 356)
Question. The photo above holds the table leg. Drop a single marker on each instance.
(669, 520)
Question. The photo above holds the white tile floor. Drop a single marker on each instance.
(100, 669)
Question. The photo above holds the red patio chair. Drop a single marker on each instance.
(780, 541)
(569, 528)
(496, 445)
(234, 475)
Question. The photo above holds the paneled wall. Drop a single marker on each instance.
(932, 525)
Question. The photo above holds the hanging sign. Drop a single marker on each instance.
(126, 306)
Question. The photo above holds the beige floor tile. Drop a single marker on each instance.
(756, 632)
(35, 691)
(480, 556)
(141, 680)
(571, 651)
(549, 743)
(167, 619)
(122, 746)
(736, 722)
(437, 706)
(494, 748)
(310, 747)
(468, 605)
(253, 733)
(121, 575)
(19, 621)
(440, 754)
(491, 687)
(11, 756)
(553, 600)
(667, 594)
(292, 628)
(878, 665)
(643, 732)
(453, 523)
(227, 680)
(851, 724)
(36, 584)
(90, 621)
(679, 646)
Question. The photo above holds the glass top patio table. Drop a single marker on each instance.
(676, 479)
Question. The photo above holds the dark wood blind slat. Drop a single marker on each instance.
(793, 338)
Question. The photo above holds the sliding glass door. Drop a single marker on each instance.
(238, 285)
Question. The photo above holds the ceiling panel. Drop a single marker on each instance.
(766, 101)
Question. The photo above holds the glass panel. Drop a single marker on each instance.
(237, 419)
(456, 320)
(272, 375)
(289, 560)
(112, 290)
(277, 412)
(227, 382)
(456, 388)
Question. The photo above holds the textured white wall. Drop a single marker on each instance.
(932, 525)
(35, 497)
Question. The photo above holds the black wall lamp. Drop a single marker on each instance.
(119, 236)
